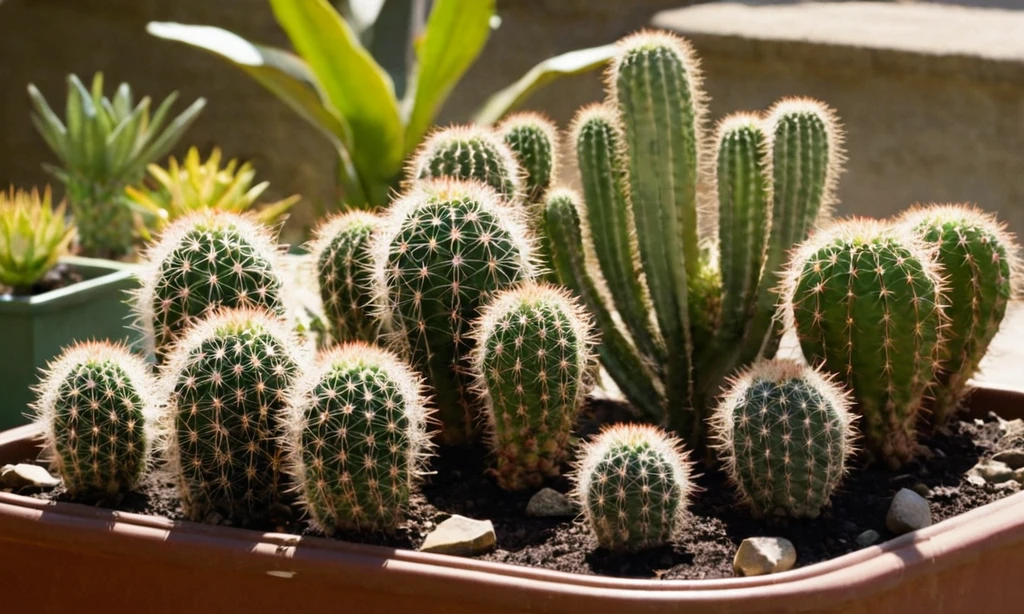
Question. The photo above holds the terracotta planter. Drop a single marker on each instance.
(67, 557)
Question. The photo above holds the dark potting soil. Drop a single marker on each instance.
(58, 277)
(715, 525)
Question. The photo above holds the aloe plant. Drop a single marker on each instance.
(34, 235)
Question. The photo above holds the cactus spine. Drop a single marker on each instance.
(784, 432)
(470, 153)
(95, 405)
(980, 260)
(533, 140)
(227, 380)
(531, 357)
(341, 249)
(633, 484)
(866, 301)
(444, 249)
(358, 439)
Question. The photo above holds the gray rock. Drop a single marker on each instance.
(1014, 459)
(922, 489)
(975, 479)
(764, 555)
(24, 475)
(908, 512)
(867, 538)
(550, 503)
(992, 471)
(461, 536)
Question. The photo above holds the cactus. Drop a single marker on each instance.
(470, 153)
(443, 250)
(784, 433)
(980, 260)
(533, 140)
(227, 381)
(633, 484)
(866, 300)
(358, 439)
(531, 357)
(341, 249)
(95, 406)
(203, 262)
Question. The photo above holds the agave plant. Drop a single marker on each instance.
(103, 145)
(34, 235)
(193, 185)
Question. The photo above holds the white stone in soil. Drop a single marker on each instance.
(1014, 459)
(758, 556)
(992, 471)
(461, 536)
(25, 475)
(908, 512)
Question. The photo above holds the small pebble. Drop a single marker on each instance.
(908, 512)
(976, 480)
(1012, 486)
(26, 476)
(1014, 459)
(764, 555)
(992, 471)
(461, 536)
(549, 503)
(867, 538)
(922, 489)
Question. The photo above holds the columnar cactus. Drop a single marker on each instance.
(227, 381)
(533, 140)
(358, 439)
(784, 432)
(633, 484)
(866, 301)
(470, 153)
(980, 261)
(443, 250)
(341, 248)
(531, 362)
(202, 262)
(95, 406)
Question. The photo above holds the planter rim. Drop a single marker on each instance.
(118, 272)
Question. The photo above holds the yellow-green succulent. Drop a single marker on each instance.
(34, 235)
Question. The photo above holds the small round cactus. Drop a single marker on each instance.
(95, 405)
(470, 153)
(341, 249)
(784, 433)
(444, 249)
(533, 140)
(358, 440)
(227, 381)
(202, 262)
(633, 484)
(980, 261)
(532, 359)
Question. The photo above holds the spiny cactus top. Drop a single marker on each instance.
(227, 381)
(95, 404)
(533, 139)
(470, 153)
(202, 262)
(633, 484)
(784, 432)
(443, 250)
(342, 250)
(531, 359)
(358, 438)
(866, 301)
(981, 264)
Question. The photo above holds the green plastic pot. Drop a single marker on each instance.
(35, 329)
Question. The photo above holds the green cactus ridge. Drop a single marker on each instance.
(95, 405)
(358, 441)
(533, 140)
(980, 261)
(470, 153)
(633, 484)
(228, 380)
(444, 249)
(866, 301)
(531, 359)
(784, 432)
(203, 262)
(341, 248)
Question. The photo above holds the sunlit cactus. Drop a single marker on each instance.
(533, 140)
(470, 153)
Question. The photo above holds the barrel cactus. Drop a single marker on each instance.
(865, 298)
(470, 153)
(533, 140)
(633, 484)
(95, 406)
(202, 262)
(785, 433)
(227, 381)
(444, 249)
(980, 261)
(358, 438)
(531, 362)
(341, 248)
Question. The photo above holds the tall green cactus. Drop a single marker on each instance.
(533, 139)
(444, 249)
(341, 247)
(866, 301)
(470, 153)
(357, 438)
(531, 360)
